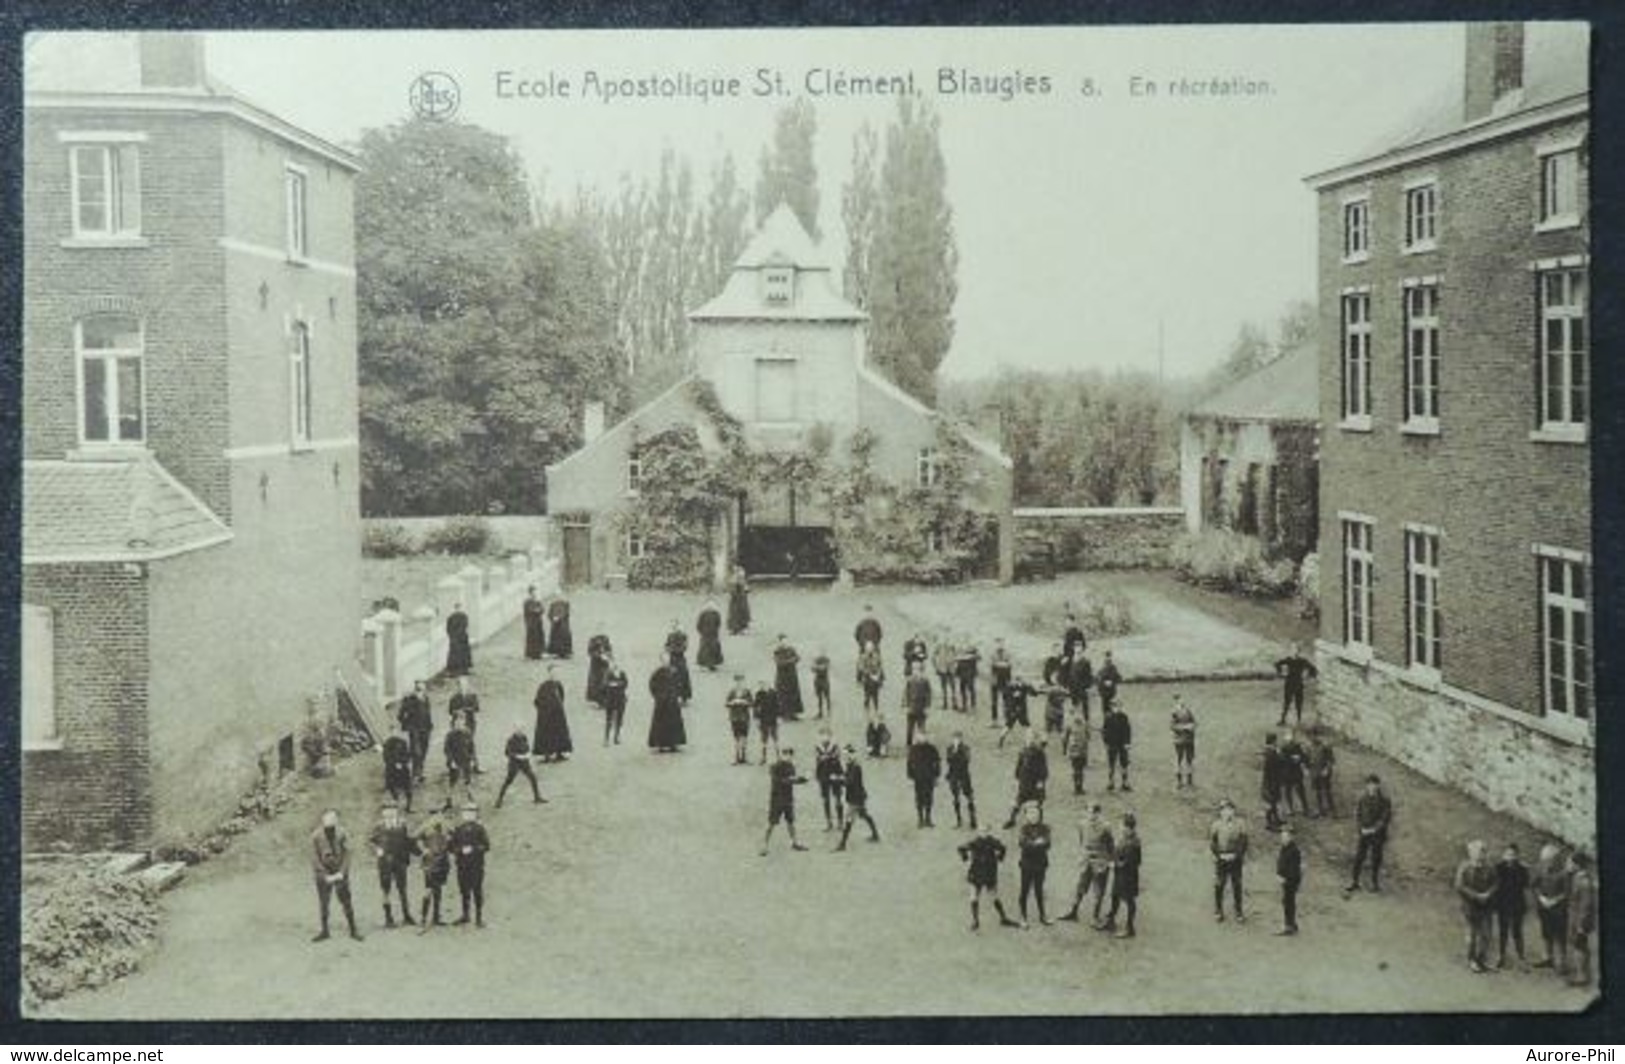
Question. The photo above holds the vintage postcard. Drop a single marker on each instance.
(794, 523)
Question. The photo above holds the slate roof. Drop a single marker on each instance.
(111, 511)
(1287, 389)
(781, 241)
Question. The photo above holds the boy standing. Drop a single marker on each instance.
(983, 854)
(781, 798)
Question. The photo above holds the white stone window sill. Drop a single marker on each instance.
(1423, 676)
(1357, 258)
(1353, 653)
(107, 452)
(1557, 223)
(1420, 426)
(1559, 433)
(123, 240)
(302, 447)
(1356, 423)
(32, 745)
(1420, 247)
(295, 259)
(1564, 727)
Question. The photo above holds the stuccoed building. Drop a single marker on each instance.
(780, 356)
(1249, 456)
(1455, 467)
(190, 526)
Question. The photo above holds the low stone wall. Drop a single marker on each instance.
(1511, 767)
(1123, 537)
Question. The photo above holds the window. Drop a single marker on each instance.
(106, 190)
(1422, 355)
(39, 677)
(299, 380)
(294, 179)
(1356, 230)
(776, 390)
(926, 473)
(1562, 348)
(634, 544)
(634, 473)
(1358, 572)
(1566, 636)
(1421, 217)
(934, 540)
(1560, 188)
(777, 284)
(1247, 512)
(1422, 597)
(1357, 356)
(110, 380)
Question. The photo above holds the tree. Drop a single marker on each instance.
(1298, 325)
(858, 209)
(789, 175)
(480, 331)
(722, 234)
(913, 259)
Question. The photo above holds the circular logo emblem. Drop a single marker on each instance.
(434, 95)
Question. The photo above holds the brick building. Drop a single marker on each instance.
(1456, 516)
(191, 526)
(1249, 456)
(783, 354)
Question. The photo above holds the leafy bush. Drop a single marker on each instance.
(665, 571)
(1229, 561)
(1101, 615)
(1309, 586)
(461, 535)
(387, 539)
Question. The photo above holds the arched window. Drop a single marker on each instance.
(112, 399)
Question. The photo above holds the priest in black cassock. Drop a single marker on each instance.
(559, 643)
(709, 626)
(786, 680)
(677, 658)
(535, 626)
(666, 731)
(459, 656)
(552, 741)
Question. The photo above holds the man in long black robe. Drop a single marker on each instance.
(535, 626)
(738, 603)
(786, 680)
(552, 740)
(666, 731)
(559, 642)
(459, 656)
(709, 627)
(677, 661)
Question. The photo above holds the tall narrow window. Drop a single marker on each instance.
(1356, 230)
(299, 381)
(1357, 356)
(294, 179)
(634, 473)
(105, 180)
(1562, 348)
(1421, 217)
(1566, 636)
(1422, 615)
(925, 467)
(1560, 188)
(39, 677)
(110, 386)
(1422, 354)
(634, 544)
(1358, 571)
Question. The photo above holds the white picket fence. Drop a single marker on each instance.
(397, 650)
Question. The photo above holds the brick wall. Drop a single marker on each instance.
(1106, 538)
(1492, 490)
(1510, 767)
(93, 792)
(173, 284)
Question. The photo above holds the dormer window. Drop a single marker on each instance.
(778, 284)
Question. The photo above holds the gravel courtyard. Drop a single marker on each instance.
(638, 890)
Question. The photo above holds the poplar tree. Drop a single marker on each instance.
(788, 173)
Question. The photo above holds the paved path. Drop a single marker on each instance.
(639, 892)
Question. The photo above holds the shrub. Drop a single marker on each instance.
(1101, 615)
(387, 539)
(461, 535)
(1309, 586)
(1229, 561)
(668, 571)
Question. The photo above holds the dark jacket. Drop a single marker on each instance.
(1116, 730)
(397, 755)
(1372, 814)
(518, 747)
(917, 695)
(1126, 865)
(1035, 843)
(1295, 668)
(957, 757)
(414, 715)
(469, 835)
(393, 846)
(984, 853)
(1512, 887)
(1289, 864)
(1032, 769)
(924, 764)
(856, 792)
(1109, 680)
(867, 631)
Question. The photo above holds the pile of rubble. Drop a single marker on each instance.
(85, 922)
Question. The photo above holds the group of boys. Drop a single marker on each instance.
(1496, 897)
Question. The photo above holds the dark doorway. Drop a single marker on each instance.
(577, 555)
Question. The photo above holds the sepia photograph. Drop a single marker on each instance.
(605, 524)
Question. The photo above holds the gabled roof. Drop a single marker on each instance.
(781, 241)
(1287, 389)
(111, 511)
(976, 442)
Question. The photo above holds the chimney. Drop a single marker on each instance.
(171, 60)
(592, 422)
(1494, 66)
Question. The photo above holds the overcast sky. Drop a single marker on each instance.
(1082, 221)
